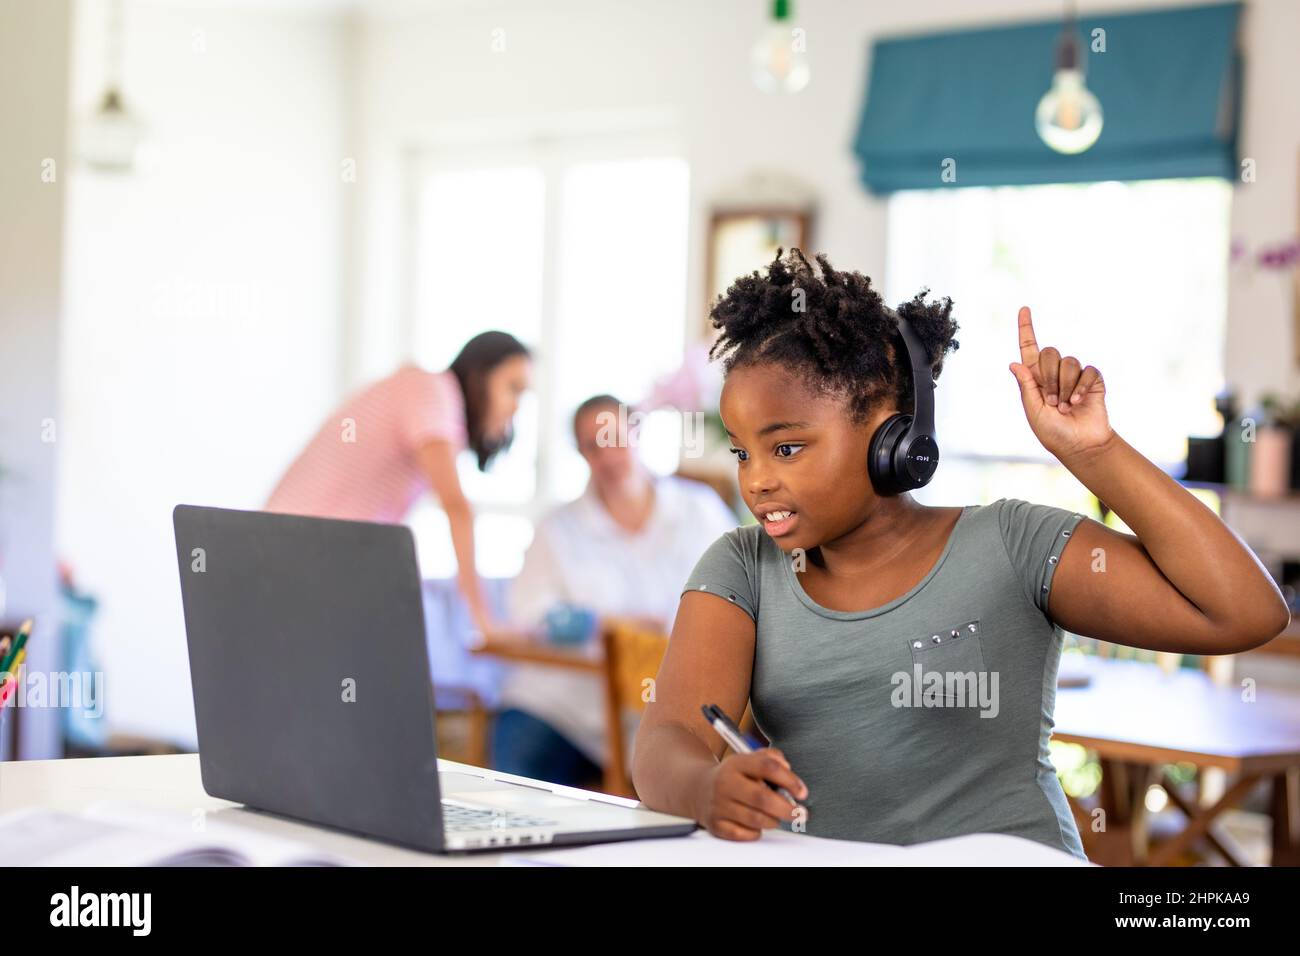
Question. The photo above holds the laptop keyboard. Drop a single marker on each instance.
(458, 816)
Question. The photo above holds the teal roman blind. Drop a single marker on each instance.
(1169, 85)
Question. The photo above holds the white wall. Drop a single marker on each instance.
(34, 59)
(203, 326)
(219, 305)
(1261, 336)
(429, 67)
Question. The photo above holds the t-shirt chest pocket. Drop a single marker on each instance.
(954, 653)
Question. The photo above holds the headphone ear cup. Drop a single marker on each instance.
(881, 466)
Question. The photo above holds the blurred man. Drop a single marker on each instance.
(623, 549)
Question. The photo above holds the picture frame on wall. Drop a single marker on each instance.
(742, 240)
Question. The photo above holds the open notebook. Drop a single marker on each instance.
(784, 848)
(119, 834)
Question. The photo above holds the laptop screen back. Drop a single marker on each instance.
(310, 669)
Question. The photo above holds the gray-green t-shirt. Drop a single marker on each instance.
(927, 717)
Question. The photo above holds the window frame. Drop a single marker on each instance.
(1039, 456)
(553, 152)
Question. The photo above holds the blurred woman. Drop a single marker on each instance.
(387, 444)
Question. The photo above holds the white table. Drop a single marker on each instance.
(174, 783)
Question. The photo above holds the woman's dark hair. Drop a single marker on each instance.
(479, 356)
(831, 328)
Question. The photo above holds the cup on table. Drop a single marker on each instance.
(570, 624)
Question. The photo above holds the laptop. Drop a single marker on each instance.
(313, 697)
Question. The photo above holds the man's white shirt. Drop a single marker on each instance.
(580, 555)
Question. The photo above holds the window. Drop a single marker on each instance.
(480, 267)
(555, 245)
(1129, 277)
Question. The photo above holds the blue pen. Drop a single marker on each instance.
(738, 741)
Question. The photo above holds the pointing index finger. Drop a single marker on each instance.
(1028, 343)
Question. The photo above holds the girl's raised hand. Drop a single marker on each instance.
(1064, 402)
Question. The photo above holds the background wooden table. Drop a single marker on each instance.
(533, 647)
(1139, 719)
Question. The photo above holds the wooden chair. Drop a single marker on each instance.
(462, 721)
(633, 654)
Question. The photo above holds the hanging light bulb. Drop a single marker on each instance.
(111, 136)
(1068, 118)
(779, 60)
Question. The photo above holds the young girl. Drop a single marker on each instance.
(828, 614)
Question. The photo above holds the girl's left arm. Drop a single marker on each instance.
(1184, 581)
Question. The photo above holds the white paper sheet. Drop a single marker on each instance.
(783, 848)
(121, 834)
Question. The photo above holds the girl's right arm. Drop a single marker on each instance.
(676, 765)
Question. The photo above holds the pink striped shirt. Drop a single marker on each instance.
(361, 464)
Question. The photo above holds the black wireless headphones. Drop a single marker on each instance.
(904, 453)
